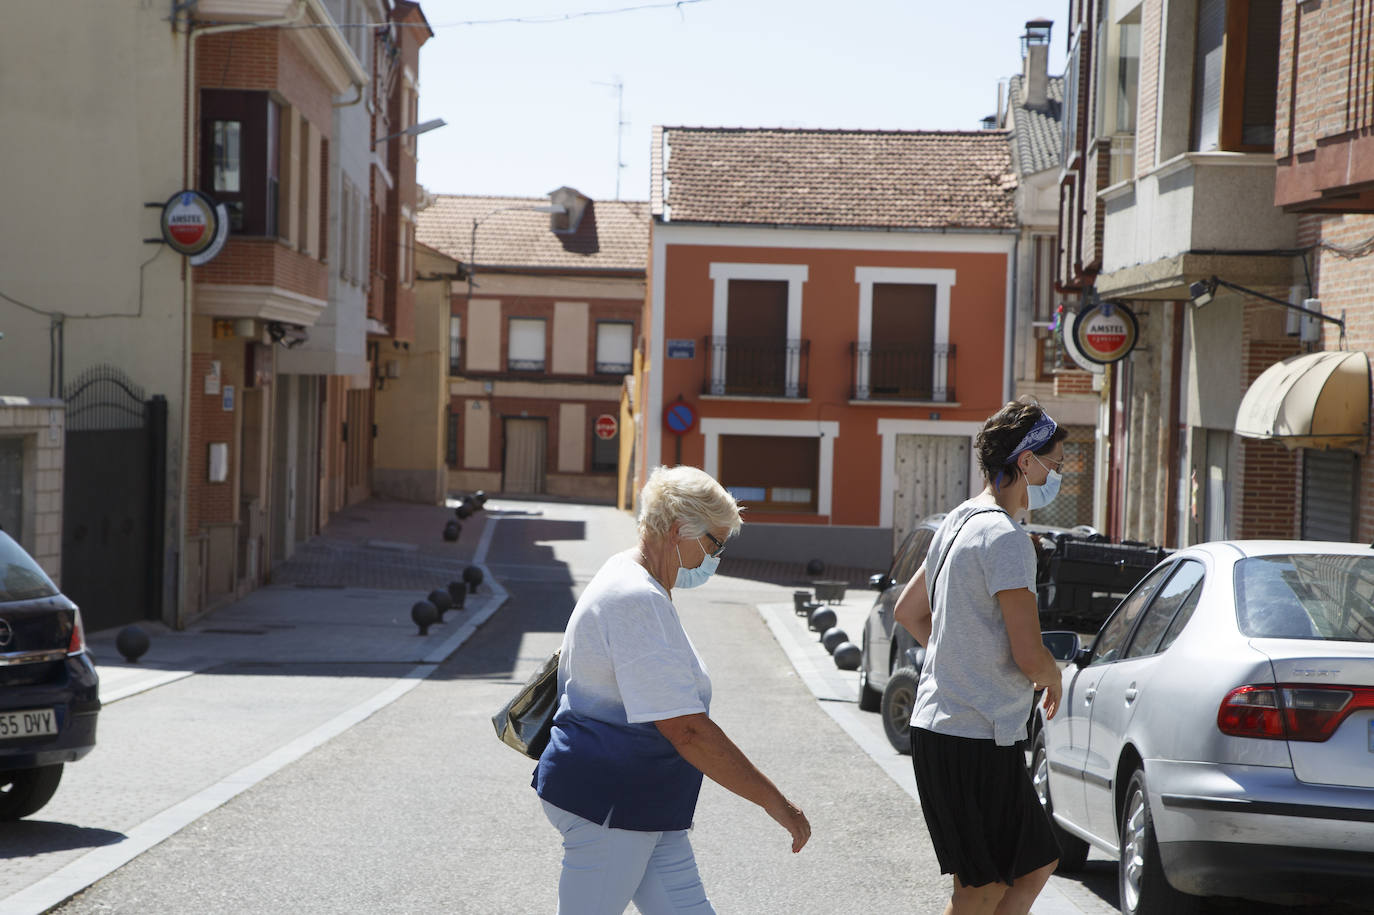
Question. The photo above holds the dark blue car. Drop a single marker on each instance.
(49, 692)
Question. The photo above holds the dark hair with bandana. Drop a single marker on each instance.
(1004, 437)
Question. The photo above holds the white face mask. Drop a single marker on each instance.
(695, 578)
(1038, 496)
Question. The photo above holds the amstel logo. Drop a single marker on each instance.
(1105, 332)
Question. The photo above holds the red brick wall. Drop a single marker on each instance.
(208, 502)
(266, 262)
(1072, 382)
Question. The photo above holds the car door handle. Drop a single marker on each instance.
(1131, 693)
(1088, 695)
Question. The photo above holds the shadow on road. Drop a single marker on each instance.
(26, 838)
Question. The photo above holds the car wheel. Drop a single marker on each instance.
(1073, 851)
(870, 700)
(25, 791)
(899, 698)
(1144, 890)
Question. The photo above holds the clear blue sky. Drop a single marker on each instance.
(525, 112)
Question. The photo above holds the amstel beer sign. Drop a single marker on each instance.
(1105, 332)
(194, 225)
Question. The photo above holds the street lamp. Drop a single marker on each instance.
(414, 130)
(472, 247)
(1203, 291)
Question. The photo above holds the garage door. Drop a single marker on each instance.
(932, 476)
(526, 443)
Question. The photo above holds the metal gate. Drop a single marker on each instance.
(526, 444)
(112, 504)
(932, 476)
(1328, 495)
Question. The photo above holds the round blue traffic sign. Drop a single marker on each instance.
(679, 417)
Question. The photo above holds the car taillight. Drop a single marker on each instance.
(78, 641)
(1290, 712)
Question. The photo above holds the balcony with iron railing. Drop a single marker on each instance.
(898, 371)
(756, 367)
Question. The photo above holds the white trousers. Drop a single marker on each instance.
(604, 869)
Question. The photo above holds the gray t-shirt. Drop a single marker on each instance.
(970, 684)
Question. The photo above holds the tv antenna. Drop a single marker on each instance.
(619, 87)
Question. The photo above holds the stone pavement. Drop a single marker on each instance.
(249, 689)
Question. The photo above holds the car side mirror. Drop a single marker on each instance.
(1065, 646)
(878, 581)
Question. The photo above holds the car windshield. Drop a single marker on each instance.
(20, 576)
(1306, 596)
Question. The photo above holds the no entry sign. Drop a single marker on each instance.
(606, 426)
(679, 417)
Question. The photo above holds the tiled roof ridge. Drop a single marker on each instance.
(441, 196)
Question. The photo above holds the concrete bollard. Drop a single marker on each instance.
(133, 643)
(833, 637)
(424, 614)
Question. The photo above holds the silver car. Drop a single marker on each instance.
(1218, 739)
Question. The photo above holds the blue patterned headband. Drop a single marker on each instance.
(1035, 439)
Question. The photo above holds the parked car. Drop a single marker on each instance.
(49, 692)
(1218, 738)
(1080, 578)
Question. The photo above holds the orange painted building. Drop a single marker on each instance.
(833, 308)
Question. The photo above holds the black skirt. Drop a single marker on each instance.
(985, 822)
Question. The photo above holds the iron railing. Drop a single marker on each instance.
(756, 367)
(896, 371)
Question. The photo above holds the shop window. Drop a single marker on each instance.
(525, 348)
(614, 347)
(771, 472)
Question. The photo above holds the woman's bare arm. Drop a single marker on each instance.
(913, 608)
(1028, 650)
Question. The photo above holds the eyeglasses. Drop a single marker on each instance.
(720, 547)
(1058, 466)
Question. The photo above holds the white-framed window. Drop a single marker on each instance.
(789, 356)
(615, 347)
(781, 493)
(935, 326)
(525, 345)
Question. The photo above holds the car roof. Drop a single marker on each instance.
(1238, 549)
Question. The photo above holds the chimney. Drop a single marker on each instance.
(1035, 62)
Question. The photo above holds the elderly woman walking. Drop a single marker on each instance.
(632, 736)
(972, 605)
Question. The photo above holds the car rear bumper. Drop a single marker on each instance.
(74, 693)
(1256, 831)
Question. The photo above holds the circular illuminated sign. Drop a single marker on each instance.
(189, 222)
(1105, 332)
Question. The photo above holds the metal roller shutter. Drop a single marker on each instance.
(1328, 495)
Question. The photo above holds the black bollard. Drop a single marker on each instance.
(458, 592)
(424, 614)
(833, 637)
(473, 576)
(463, 511)
(814, 567)
(822, 618)
(480, 497)
(452, 530)
(441, 601)
(847, 656)
(132, 643)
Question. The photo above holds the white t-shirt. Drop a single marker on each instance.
(970, 684)
(626, 658)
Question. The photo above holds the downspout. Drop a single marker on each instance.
(1171, 531)
(188, 111)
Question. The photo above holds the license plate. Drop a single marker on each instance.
(34, 722)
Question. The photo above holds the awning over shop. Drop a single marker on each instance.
(1317, 400)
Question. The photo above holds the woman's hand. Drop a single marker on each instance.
(790, 817)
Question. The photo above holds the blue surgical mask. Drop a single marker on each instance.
(1043, 494)
(695, 578)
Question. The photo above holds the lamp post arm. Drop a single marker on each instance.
(1339, 322)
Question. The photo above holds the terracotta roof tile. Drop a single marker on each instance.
(858, 178)
(1037, 131)
(613, 234)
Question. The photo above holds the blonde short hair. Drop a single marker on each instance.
(689, 495)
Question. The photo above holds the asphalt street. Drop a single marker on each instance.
(414, 807)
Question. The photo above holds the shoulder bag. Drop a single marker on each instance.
(525, 721)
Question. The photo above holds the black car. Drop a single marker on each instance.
(49, 692)
(1080, 578)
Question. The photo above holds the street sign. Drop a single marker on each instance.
(606, 426)
(682, 349)
(679, 417)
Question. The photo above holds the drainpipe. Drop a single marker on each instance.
(187, 168)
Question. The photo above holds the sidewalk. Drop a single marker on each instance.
(252, 687)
